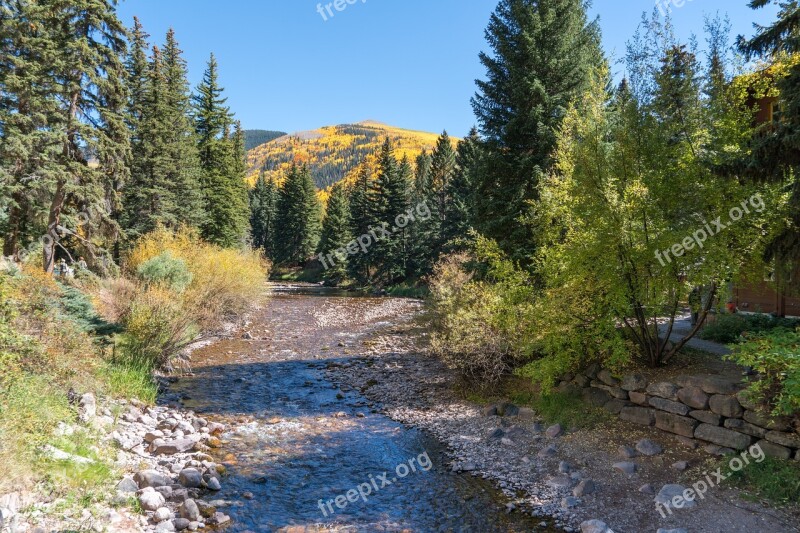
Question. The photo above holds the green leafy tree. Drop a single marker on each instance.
(543, 52)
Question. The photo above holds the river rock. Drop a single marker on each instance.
(150, 500)
(554, 431)
(584, 487)
(214, 484)
(151, 478)
(165, 527)
(595, 526)
(670, 494)
(190, 478)
(625, 467)
(127, 485)
(626, 452)
(174, 446)
(161, 514)
(87, 407)
(189, 510)
(678, 530)
(182, 523)
(648, 447)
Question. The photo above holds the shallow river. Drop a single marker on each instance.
(297, 441)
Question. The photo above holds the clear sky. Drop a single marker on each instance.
(408, 63)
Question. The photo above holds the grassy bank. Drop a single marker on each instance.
(60, 339)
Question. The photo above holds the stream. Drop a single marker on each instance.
(306, 455)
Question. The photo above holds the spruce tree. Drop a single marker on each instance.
(543, 52)
(458, 215)
(263, 212)
(359, 265)
(298, 218)
(388, 197)
(221, 163)
(335, 235)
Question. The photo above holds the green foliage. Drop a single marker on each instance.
(772, 479)
(263, 213)
(299, 218)
(253, 138)
(775, 355)
(543, 53)
(165, 269)
(335, 235)
(480, 326)
(729, 328)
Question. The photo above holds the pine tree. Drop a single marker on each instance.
(359, 266)
(221, 162)
(388, 197)
(458, 215)
(298, 218)
(543, 52)
(335, 235)
(263, 212)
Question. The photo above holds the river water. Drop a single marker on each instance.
(297, 441)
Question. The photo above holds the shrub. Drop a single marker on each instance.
(775, 355)
(187, 287)
(480, 325)
(729, 328)
(167, 270)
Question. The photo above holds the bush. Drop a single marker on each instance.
(729, 328)
(167, 270)
(187, 287)
(775, 355)
(479, 325)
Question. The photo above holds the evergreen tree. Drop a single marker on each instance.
(263, 212)
(222, 163)
(543, 54)
(388, 197)
(359, 266)
(335, 235)
(458, 215)
(298, 218)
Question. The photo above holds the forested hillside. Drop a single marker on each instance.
(332, 152)
(254, 138)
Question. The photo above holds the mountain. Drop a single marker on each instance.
(253, 138)
(333, 152)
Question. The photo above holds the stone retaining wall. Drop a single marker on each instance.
(706, 408)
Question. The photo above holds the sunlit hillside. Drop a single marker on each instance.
(332, 152)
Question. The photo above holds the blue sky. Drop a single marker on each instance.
(409, 63)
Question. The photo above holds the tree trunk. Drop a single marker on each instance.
(53, 221)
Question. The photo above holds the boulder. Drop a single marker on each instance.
(634, 382)
(151, 478)
(741, 426)
(790, 440)
(182, 523)
(606, 377)
(663, 389)
(670, 406)
(161, 514)
(771, 449)
(150, 500)
(680, 425)
(127, 485)
(707, 417)
(694, 397)
(722, 437)
(639, 398)
(648, 447)
(638, 415)
(764, 420)
(727, 406)
(175, 446)
(673, 496)
(189, 510)
(191, 478)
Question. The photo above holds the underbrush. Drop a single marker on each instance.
(180, 287)
(729, 328)
(774, 480)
